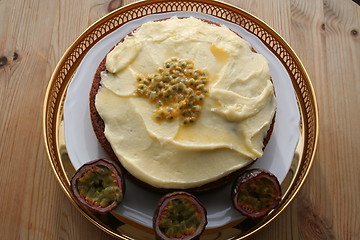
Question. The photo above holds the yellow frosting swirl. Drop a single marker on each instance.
(235, 116)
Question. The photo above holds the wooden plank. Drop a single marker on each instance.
(326, 202)
(34, 35)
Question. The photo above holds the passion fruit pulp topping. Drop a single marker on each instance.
(179, 216)
(256, 193)
(98, 187)
(177, 89)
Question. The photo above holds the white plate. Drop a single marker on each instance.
(82, 145)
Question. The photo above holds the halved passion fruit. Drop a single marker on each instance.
(256, 192)
(99, 185)
(179, 215)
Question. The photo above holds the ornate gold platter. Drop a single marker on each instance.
(121, 224)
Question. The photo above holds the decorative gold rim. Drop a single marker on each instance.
(121, 227)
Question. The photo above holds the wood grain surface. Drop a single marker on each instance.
(34, 34)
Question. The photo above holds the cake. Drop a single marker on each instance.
(183, 103)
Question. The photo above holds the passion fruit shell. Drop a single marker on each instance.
(179, 215)
(256, 192)
(98, 185)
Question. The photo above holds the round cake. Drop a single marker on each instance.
(183, 103)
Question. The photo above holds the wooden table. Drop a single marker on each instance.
(34, 35)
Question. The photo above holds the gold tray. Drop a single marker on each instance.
(124, 228)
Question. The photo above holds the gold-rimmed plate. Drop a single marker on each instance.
(67, 85)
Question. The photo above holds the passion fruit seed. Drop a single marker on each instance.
(98, 185)
(256, 193)
(179, 216)
(176, 85)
